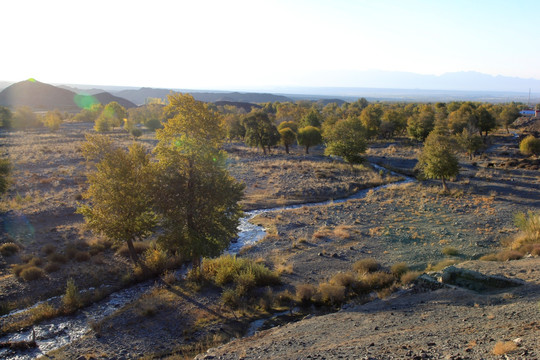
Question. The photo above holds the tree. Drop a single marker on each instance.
(347, 138)
(393, 122)
(486, 120)
(288, 137)
(89, 115)
(5, 118)
(464, 116)
(195, 197)
(437, 159)
(469, 142)
(53, 120)
(530, 146)
(288, 124)
(508, 115)
(102, 124)
(420, 125)
(313, 118)
(120, 201)
(371, 119)
(114, 113)
(260, 131)
(309, 136)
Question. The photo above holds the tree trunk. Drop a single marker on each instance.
(132, 252)
(264, 150)
(287, 149)
(307, 149)
(445, 188)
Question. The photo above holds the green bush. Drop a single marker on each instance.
(9, 249)
(228, 269)
(32, 273)
(72, 297)
(530, 146)
(136, 133)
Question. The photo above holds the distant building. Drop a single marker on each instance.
(529, 112)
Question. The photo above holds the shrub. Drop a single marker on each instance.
(332, 294)
(441, 265)
(140, 247)
(57, 258)
(136, 133)
(230, 299)
(450, 251)
(9, 249)
(267, 299)
(504, 255)
(502, 348)
(377, 280)
(244, 281)
(72, 297)
(35, 261)
(285, 298)
(32, 273)
(530, 146)
(42, 312)
(366, 266)
(227, 269)
(17, 269)
(48, 249)
(156, 260)
(81, 256)
(343, 279)
(399, 269)
(305, 293)
(410, 276)
(52, 267)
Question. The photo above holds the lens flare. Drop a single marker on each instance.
(85, 101)
(18, 227)
(32, 80)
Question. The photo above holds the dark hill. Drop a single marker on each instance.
(44, 97)
(140, 96)
(38, 96)
(106, 98)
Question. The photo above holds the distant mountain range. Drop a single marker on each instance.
(373, 85)
(44, 97)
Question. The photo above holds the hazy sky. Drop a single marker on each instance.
(235, 44)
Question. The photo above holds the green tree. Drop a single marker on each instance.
(530, 146)
(347, 138)
(437, 159)
(469, 142)
(371, 119)
(5, 118)
(486, 120)
(120, 201)
(89, 115)
(114, 113)
(313, 118)
(508, 115)
(309, 136)
(288, 124)
(53, 120)
(288, 137)
(195, 197)
(260, 131)
(420, 125)
(393, 122)
(464, 116)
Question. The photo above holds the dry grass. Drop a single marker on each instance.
(441, 265)
(504, 347)
(450, 251)
(346, 279)
(32, 273)
(410, 276)
(332, 294)
(342, 232)
(366, 266)
(305, 293)
(9, 249)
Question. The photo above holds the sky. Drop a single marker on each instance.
(237, 44)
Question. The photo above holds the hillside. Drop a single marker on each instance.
(38, 96)
(44, 97)
(140, 96)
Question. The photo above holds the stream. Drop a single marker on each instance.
(55, 333)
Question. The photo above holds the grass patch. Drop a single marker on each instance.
(450, 251)
(504, 347)
(441, 265)
(229, 269)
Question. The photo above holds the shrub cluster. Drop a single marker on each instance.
(9, 249)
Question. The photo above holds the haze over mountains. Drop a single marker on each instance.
(373, 85)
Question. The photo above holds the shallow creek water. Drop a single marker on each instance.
(55, 333)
